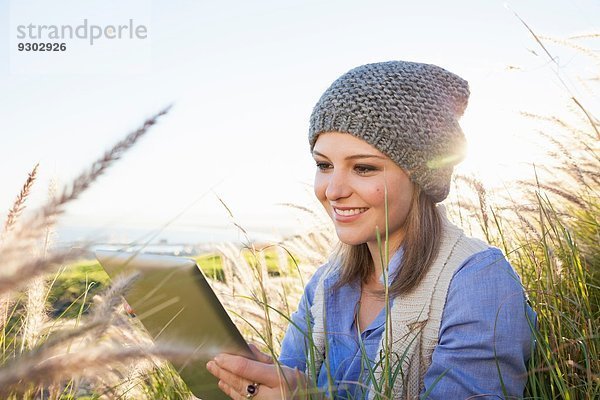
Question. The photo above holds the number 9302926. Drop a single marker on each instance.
(26, 46)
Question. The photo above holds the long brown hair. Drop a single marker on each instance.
(421, 242)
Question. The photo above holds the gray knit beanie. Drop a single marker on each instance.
(408, 111)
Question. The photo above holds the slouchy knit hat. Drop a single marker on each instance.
(409, 111)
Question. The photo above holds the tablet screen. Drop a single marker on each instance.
(177, 306)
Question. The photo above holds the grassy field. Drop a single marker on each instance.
(65, 335)
(555, 252)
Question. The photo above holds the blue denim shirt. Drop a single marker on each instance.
(485, 331)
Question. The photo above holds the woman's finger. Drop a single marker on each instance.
(264, 393)
(253, 371)
(233, 381)
(237, 388)
(239, 372)
(231, 392)
(260, 356)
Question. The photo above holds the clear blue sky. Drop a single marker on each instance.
(243, 77)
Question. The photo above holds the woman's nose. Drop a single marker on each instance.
(338, 186)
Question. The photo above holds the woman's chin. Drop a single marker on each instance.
(350, 240)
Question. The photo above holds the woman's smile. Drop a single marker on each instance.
(347, 211)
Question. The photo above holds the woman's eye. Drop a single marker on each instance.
(364, 169)
(322, 166)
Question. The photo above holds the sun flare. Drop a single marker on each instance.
(498, 152)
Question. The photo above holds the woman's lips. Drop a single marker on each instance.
(348, 214)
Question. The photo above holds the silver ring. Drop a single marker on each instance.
(251, 390)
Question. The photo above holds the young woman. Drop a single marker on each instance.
(444, 315)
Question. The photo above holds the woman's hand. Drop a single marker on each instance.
(236, 373)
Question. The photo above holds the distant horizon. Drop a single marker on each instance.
(122, 235)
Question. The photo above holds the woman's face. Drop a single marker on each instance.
(350, 183)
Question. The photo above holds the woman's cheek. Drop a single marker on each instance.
(320, 186)
(377, 196)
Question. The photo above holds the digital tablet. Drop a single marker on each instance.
(175, 303)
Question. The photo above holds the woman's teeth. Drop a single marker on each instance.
(352, 211)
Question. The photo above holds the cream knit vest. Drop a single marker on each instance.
(415, 317)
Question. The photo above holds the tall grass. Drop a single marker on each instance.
(549, 228)
(43, 358)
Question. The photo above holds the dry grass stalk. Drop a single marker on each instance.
(32, 230)
(105, 305)
(68, 347)
(240, 270)
(318, 217)
(593, 122)
(314, 246)
(251, 293)
(554, 188)
(19, 204)
(592, 174)
(567, 43)
(100, 321)
(20, 240)
(35, 314)
(83, 181)
(565, 156)
(13, 215)
(37, 371)
(5, 304)
(482, 198)
(26, 270)
(559, 122)
(49, 360)
(307, 210)
(35, 310)
(64, 338)
(590, 35)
